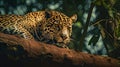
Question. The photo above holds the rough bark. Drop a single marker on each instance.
(46, 55)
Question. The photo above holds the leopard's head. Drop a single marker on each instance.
(57, 27)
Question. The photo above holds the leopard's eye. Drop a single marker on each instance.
(69, 28)
(57, 28)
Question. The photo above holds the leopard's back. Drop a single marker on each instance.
(10, 19)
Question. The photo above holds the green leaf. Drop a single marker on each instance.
(78, 24)
(98, 2)
(110, 11)
(94, 40)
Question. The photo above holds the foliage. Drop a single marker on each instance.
(109, 25)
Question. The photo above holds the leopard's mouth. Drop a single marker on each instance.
(59, 43)
(53, 41)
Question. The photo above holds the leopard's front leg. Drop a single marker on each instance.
(24, 33)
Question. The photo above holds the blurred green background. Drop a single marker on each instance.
(102, 33)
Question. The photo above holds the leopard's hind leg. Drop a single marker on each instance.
(18, 31)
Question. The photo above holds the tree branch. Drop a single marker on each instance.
(49, 55)
(86, 26)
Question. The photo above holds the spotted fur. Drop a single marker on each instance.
(46, 26)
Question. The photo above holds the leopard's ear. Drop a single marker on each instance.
(47, 14)
(74, 17)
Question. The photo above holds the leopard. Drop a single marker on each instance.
(52, 27)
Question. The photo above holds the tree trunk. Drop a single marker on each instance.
(39, 54)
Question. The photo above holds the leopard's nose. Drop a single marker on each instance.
(64, 36)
